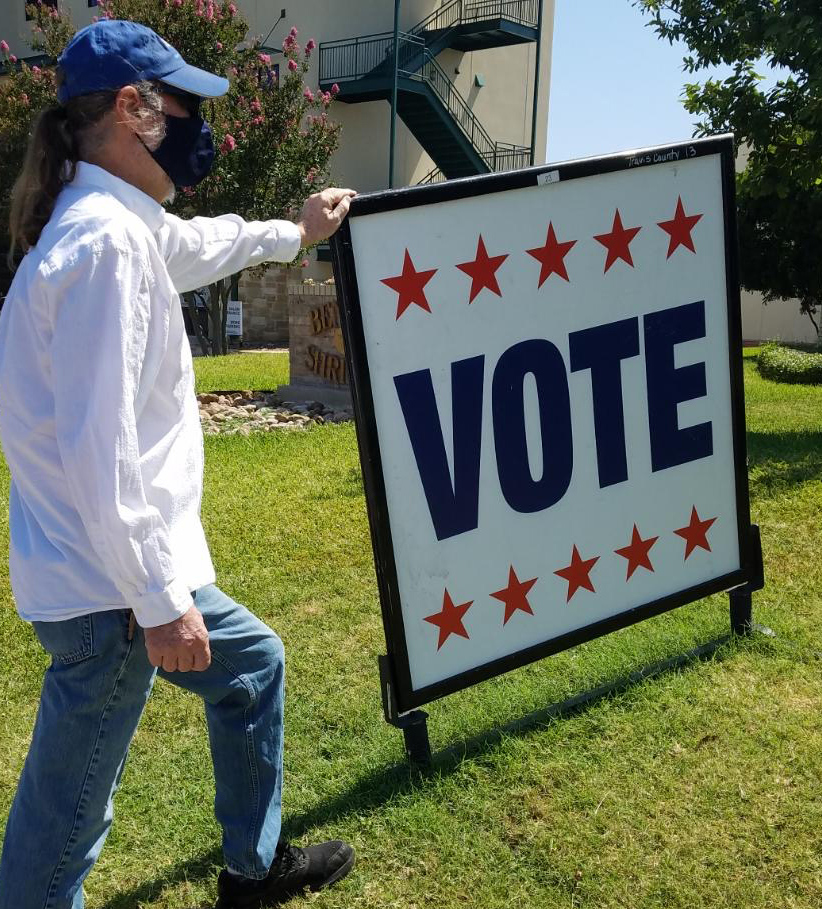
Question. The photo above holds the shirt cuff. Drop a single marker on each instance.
(286, 241)
(160, 608)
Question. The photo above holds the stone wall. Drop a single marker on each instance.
(265, 307)
(316, 349)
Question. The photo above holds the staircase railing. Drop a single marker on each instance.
(435, 175)
(350, 59)
(354, 58)
(456, 12)
(496, 155)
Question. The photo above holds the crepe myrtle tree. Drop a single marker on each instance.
(779, 192)
(273, 132)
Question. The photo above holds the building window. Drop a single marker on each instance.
(51, 3)
(92, 2)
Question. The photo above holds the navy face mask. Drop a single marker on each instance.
(187, 152)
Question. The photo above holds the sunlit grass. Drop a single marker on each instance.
(698, 788)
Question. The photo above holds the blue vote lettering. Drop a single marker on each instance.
(602, 350)
(453, 502)
(544, 362)
(669, 385)
(454, 507)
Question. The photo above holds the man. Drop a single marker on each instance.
(100, 427)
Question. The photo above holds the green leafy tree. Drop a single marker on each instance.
(273, 132)
(780, 128)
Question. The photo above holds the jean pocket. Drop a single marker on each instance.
(69, 641)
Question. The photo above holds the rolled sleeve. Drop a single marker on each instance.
(152, 609)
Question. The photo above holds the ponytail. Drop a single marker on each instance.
(50, 161)
(61, 136)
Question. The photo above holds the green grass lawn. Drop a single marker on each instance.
(697, 788)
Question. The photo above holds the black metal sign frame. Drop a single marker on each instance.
(398, 693)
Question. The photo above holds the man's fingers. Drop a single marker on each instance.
(341, 209)
(169, 662)
(202, 659)
(185, 662)
(334, 195)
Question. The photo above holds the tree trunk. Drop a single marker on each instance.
(215, 314)
(202, 340)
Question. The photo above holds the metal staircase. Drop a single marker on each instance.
(427, 101)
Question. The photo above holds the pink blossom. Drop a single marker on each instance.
(219, 45)
(12, 58)
(308, 94)
(304, 263)
(232, 9)
(292, 65)
(265, 58)
(326, 96)
(310, 45)
(25, 99)
(4, 47)
(36, 70)
(258, 121)
(210, 12)
(335, 89)
(228, 144)
(256, 106)
(293, 33)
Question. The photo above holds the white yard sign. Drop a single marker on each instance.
(549, 416)
(234, 322)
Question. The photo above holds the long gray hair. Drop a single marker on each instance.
(61, 136)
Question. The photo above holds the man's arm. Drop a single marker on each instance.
(204, 250)
(95, 388)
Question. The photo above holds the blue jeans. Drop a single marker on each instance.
(93, 697)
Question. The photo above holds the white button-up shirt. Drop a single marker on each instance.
(98, 418)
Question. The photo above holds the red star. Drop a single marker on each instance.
(551, 256)
(680, 227)
(637, 553)
(515, 595)
(449, 621)
(410, 286)
(483, 271)
(618, 242)
(577, 573)
(696, 533)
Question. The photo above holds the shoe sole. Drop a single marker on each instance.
(338, 874)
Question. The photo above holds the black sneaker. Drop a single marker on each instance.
(292, 870)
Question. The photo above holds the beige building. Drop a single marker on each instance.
(467, 70)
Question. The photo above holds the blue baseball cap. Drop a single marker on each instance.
(112, 53)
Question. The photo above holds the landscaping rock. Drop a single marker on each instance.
(244, 412)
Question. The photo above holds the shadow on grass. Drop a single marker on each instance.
(375, 789)
(778, 459)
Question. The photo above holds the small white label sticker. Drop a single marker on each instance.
(552, 176)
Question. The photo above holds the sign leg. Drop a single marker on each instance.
(741, 599)
(414, 727)
(741, 602)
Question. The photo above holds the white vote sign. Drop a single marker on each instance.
(234, 321)
(543, 380)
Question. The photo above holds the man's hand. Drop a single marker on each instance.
(180, 645)
(323, 213)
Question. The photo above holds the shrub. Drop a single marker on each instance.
(787, 364)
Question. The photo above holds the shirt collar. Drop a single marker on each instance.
(90, 176)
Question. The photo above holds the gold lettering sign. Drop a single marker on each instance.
(324, 318)
(328, 366)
